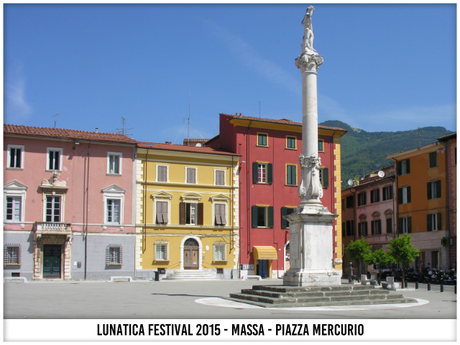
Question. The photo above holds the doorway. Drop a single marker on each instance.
(191, 259)
(51, 261)
(262, 266)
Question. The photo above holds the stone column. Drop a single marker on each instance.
(310, 227)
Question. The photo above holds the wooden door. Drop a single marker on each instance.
(191, 258)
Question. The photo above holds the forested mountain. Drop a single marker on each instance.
(364, 152)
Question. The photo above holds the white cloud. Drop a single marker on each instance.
(410, 118)
(17, 109)
(249, 57)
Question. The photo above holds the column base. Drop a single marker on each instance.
(312, 277)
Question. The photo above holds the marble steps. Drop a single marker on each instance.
(192, 275)
(284, 297)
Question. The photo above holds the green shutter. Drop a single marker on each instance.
(325, 177)
(429, 225)
(400, 225)
(284, 222)
(408, 166)
(270, 217)
(255, 214)
(408, 195)
(255, 172)
(269, 173)
(409, 224)
(438, 188)
(428, 191)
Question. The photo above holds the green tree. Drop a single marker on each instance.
(403, 252)
(360, 251)
(382, 258)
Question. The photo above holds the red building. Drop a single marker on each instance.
(268, 176)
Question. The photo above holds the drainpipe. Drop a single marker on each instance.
(86, 211)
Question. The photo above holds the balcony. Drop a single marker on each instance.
(52, 228)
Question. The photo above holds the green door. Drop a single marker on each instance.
(51, 261)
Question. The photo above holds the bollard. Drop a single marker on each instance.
(428, 287)
(416, 285)
(441, 288)
(405, 284)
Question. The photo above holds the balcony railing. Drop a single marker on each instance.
(53, 228)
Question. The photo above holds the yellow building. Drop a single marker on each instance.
(187, 211)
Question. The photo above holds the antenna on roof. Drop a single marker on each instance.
(188, 120)
(123, 130)
(55, 116)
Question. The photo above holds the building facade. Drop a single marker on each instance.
(187, 210)
(369, 209)
(268, 181)
(450, 144)
(422, 204)
(68, 203)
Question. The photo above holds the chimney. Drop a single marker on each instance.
(97, 130)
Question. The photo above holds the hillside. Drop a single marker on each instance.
(364, 152)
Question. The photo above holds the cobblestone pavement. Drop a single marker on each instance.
(193, 300)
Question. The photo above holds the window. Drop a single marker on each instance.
(262, 216)
(376, 227)
(389, 222)
(324, 177)
(403, 167)
(350, 201)
(54, 159)
(434, 222)
(162, 173)
(362, 199)
(404, 195)
(219, 177)
(375, 195)
(262, 139)
(161, 251)
(433, 159)
(113, 205)
(320, 145)
(291, 142)
(53, 209)
(15, 195)
(285, 211)
(262, 172)
(13, 208)
(291, 174)
(434, 189)
(191, 213)
(113, 255)
(362, 228)
(387, 193)
(15, 156)
(114, 163)
(350, 224)
(113, 211)
(405, 225)
(11, 254)
(190, 175)
(219, 214)
(162, 212)
(219, 251)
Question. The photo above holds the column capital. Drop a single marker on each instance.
(309, 62)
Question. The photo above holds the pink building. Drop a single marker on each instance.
(369, 211)
(68, 203)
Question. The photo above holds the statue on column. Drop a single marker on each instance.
(308, 32)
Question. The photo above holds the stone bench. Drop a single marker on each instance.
(390, 284)
(252, 277)
(16, 279)
(120, 278)
(371, 281)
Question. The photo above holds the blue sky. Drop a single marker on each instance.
(386, 67)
